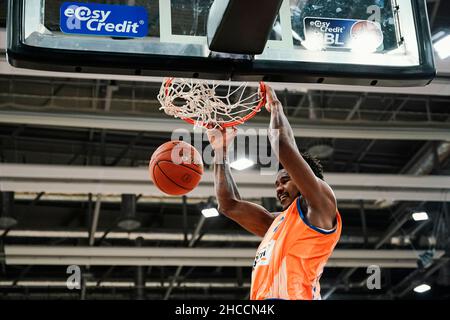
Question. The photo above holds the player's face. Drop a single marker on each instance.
(286, 189)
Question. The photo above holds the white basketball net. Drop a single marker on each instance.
(198, 100)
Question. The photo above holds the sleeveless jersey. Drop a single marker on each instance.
(291, 257)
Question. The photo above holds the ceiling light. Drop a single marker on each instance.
(321, 151)
(422, 288)
(7, 222)
(442, 47)
(420, 216)
(210, 212)
(242, 164)
(129, 224)
(321, 148)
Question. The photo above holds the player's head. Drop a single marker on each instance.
(286, 189)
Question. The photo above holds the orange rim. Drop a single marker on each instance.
(262, 102)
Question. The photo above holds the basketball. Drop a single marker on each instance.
(176, 168)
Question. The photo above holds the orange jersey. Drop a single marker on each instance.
(291, 257)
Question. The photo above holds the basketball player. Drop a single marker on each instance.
(296, 242)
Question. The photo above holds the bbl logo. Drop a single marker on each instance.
(357, 35)
(103, 20)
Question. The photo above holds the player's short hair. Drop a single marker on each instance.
(313, 163)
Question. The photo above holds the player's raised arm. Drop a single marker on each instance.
(318, 195)
(250, 216)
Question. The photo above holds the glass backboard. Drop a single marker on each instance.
(360, 42)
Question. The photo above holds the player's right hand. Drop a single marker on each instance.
(271, 98)
(221, 138)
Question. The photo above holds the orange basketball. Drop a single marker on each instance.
(176, 168)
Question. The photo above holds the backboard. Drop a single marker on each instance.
(358, 42)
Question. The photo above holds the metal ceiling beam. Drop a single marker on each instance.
(157, 236)
(121, 284)
(22, 196)
(110, 180)
(69, 174)
(95, 218)
(133, 256)
(247, 192)
(412, 279)
(362, 130)
(357, 106)
(437, 266)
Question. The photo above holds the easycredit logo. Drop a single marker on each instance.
(85, 14)
(353, 34)
(104, 20)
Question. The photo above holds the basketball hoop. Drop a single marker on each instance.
(206, 104)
